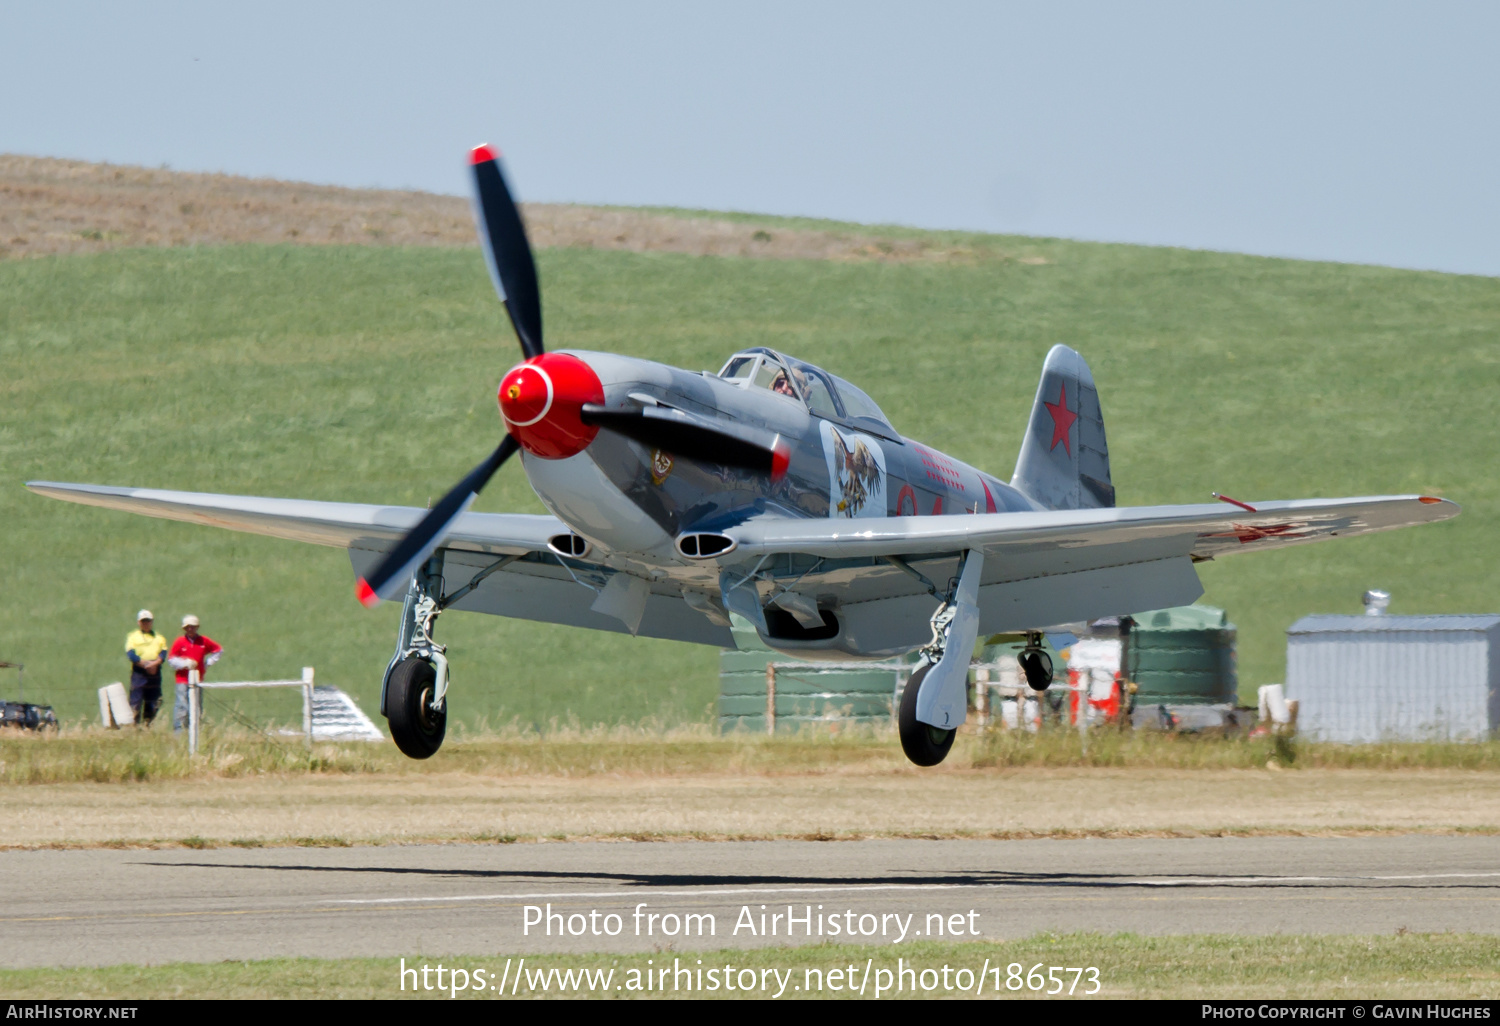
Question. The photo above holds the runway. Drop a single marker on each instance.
(101, 907)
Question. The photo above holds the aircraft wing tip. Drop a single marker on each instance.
(52, 488)
(43, 487)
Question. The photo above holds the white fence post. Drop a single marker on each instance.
(195, 712)
(195, 707)
(307, 697)
(771, 699)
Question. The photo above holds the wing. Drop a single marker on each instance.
(535, 585)
(1044, 567)
(1071, 538)
(541, 586)
(339, 524)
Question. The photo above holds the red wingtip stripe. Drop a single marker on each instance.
(1428, 500)
(365, 594)
(482, 153)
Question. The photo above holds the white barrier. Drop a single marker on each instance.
(195, 700)
(1276, 711)
(114, 706)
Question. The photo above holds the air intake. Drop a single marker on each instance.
(568, 545)
(705, 545)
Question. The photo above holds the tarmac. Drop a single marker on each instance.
(110, 906)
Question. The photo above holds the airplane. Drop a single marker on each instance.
(773, 496)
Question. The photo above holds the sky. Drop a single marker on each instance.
(1363, 132)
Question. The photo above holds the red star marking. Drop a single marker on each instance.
(1062, 420)
(1247, 533)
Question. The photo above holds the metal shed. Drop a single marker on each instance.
(1359, 679)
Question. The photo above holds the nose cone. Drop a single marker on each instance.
(541, 401)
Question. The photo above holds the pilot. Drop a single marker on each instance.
(782, 384)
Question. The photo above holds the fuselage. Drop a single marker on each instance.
(846, 461)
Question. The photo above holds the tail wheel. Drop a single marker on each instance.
(923, 743)
(416, 727)
(1036, 664)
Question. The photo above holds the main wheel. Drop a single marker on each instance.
(1036, 664)
(415, 727)
(923, 743)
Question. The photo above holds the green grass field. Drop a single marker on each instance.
(368, 375)
(1410, 966)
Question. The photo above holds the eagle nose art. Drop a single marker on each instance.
(542, 402)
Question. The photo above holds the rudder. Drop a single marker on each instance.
(1064, 460)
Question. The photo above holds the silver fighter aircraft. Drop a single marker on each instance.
(771, 491)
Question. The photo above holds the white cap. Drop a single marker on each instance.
(190, 620)
(144, 614)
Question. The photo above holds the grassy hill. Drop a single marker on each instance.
(368, 374)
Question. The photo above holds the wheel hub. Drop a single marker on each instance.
(426, 714)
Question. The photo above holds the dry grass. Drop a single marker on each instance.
(50, 206)
(95, 755)
(95, 788)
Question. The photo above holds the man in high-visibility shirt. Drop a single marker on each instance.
(146, 650)
(192, 651)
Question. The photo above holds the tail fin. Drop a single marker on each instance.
(1064, 461)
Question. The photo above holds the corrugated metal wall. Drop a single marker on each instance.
(1365, 685)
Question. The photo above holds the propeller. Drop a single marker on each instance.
(552, 403)
(506, 251)
(422, 541)
(502, 236)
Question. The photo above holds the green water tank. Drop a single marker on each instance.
(808, 696)
(1181, 656)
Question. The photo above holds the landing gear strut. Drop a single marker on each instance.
(416, 681)
(934, 702)
(413, 697)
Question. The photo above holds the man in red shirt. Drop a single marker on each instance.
(192, 651)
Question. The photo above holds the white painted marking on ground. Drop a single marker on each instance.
(1214, 881)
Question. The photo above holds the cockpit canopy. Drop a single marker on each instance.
(825, 395)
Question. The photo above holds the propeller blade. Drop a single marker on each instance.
(695, 438)
(422, 541)
(502, 236)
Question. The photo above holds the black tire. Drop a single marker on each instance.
(416, 729)
(1037, 666)
(923, 743)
